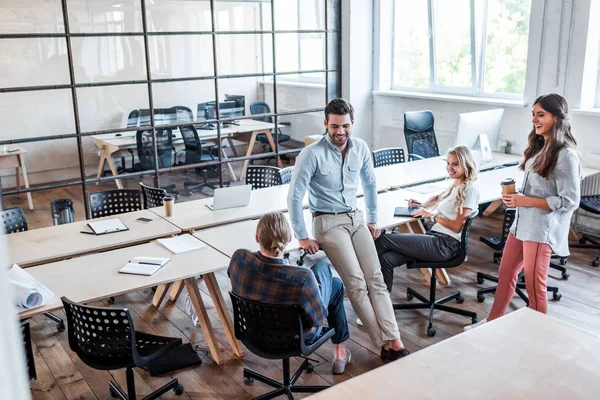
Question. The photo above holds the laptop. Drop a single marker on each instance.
(230, 197)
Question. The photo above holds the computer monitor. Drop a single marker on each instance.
(471, 125)
(227, 109)
(206, 111)
(162, 116)
(240, 103)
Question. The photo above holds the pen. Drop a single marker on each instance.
(88, 233)
(146, 263)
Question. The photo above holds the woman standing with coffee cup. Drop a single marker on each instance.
(545, 204)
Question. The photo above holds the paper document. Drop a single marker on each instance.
(182, 243)
(144, 265)
(27, 293)
(434, 187)
(107, 226)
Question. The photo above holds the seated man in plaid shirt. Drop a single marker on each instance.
(266, 276)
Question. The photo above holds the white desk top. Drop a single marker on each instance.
(523, 355)
(96, 276)
(42, 245)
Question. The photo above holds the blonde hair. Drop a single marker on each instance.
(467, 163)
(274, 233)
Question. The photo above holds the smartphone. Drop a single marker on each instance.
(144, 220)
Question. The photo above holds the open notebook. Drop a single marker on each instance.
(107, 226)
(144, 265)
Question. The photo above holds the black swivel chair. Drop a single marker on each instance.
(164, 150)
(151, 196)
(420, 135)
(14, 221)
(26, 335)
(590, 204)
(113, 202)
(286, 174)
(105, 339)
(262, 176)
(388, 156)
(260, 107)
(275, 332)
(438, 304)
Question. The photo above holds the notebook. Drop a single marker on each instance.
(144, 265)
(107, 226)
(182, 243)
(404, 211)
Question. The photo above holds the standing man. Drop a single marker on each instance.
(330, 170)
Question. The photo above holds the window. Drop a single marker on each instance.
(460, 46)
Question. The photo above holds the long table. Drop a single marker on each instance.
(523, 355)
(95, 277)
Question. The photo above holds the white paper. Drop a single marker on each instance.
(433, 188)
(107, 226)
(27, 292)
(144, 265)
(182, 243)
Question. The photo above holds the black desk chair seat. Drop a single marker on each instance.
(275, 332)
(590, 204)
(432, 303)
(105, 339)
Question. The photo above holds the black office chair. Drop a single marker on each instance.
(260, 107)
(420, 135)
(151, 196)
(262, 176)
(105, 339)
(388, 156)
(14, 221)
(164, 150)
(275, 332)
(438, 304)
(497, 243)
(590, 204)
(286, 174)
(113, 202)
(26, 335)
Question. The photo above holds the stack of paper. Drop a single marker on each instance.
(27, 293)
(182, 243)
(144, 265)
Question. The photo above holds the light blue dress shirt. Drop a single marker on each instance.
(332, 183)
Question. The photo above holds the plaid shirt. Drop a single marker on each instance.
(273, 281)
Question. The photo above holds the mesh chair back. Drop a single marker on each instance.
(286, 175)
(260, 107)
(164, 148)
(389, 156)
(182, 114)
(193, 145)
(590, 203)
(419, 134)
(14, 220)
(262, 176)
(509, 218)
(112, 202)
(26, 335)
(153, 197)
(269, 331)
(133, 119)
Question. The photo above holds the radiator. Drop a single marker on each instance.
(583, 220)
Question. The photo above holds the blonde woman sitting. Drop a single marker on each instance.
(451, 209)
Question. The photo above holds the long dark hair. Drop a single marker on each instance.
(560, 138)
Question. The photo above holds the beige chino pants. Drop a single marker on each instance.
(348, 244)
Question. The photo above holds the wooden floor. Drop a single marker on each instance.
(61, 375)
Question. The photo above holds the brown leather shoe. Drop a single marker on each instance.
(393, 355)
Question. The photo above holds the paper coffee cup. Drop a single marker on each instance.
(508, 186)
(169, 204)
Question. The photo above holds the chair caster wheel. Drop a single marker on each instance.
(110, 300)
(496, 260)
(563, 261)
(565, 275)
(60, 327)
(595, 263)
(113, 394)
(190, 193)
(474, 320)
(582, 241)
(409, 296)
(431, 331)
(178, 389)
(310, 368)
(480, 299)
(556, 296)
(153, 288)
(480, 280)
(248, 380)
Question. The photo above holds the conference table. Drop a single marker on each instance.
(247, 130)
(523, 355)
(95, 277)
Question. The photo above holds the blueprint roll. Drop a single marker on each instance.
(26, 296)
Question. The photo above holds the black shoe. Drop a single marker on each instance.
(384, 353)
(393, 355)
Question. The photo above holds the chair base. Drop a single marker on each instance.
(481, 277)
(60, 324)
(117, 392)
(288, 386)
(562, 260)
(435, 304)
(594, 244)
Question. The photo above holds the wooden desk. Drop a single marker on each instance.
(53, 243)
(523, 355)
(96, 277)
(16, 160)
(247, 131)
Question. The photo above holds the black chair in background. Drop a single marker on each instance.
(275, 332)
(262, 176)
(14, 221)
(113, 202)
(438, 304)
(105, 339)
(590, 204)
(26, 335)
(164, 150)
(286, 174)
(260, 107)
(420, 135)
(388, 156)
(151, 196)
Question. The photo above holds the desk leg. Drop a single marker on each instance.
(205, 325)
(228, 165)
(272, 144)
(442, 275)
(106, 156)
(176, 291)
(25, 180)
(160, 293)
(249, 152)
(217, 297)
(492, 207)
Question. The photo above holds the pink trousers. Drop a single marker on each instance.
(534, 258)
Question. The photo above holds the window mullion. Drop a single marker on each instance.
(473, 49)
(483, 48)
(432, 71)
